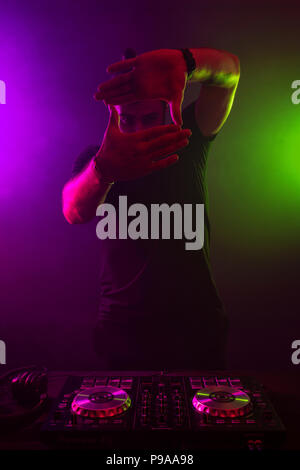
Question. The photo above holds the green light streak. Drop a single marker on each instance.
(220, 78)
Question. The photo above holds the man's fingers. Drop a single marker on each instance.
(165, 141)
(157, 131)
(159, 165)
(114, 119)
(122, 99)
(164, 163)
(175, 111)
(121, 66)
(114, 93)
(114, 83)
(163, 152)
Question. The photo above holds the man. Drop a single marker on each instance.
(159, 307)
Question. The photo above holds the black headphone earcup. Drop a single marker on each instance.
(27, 387)
(23, 397)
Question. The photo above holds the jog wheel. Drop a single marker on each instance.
(101, 402)
(222, 401)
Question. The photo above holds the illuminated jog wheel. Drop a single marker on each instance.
(101, 402)
(222, 401)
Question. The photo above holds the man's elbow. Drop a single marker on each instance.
(236, 63)
(71, 215)
(69, 210)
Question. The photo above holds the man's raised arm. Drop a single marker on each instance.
(163, 74)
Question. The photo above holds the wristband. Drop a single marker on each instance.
(189, 60)
(99, 174)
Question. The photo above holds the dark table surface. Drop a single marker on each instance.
(283, 389)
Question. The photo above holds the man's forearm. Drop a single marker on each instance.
(215, 67)
(82, 195)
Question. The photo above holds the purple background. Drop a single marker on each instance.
(52, 56)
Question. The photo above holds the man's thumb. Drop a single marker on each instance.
(113, 117)
(175, 111)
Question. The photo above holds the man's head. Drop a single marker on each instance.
(141, 114)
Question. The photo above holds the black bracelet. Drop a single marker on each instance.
(189, 60)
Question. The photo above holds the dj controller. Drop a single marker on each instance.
(163, 411)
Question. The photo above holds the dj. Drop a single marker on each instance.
(159, 306)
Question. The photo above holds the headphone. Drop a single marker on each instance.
(23, 396)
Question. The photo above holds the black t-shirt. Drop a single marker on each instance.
(159, 282)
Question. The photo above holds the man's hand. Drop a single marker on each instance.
(126, 156)
(157, 74)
